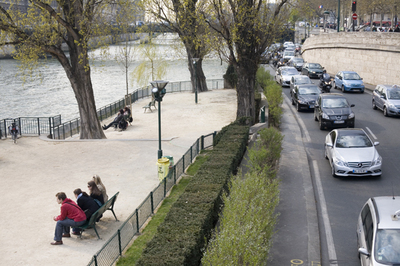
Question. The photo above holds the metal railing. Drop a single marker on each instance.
(70, 128)
(114, 247)
(30, 125)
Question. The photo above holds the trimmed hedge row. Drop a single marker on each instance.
(182, 237)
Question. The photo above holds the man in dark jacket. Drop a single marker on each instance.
(71, 215)
(87, 204)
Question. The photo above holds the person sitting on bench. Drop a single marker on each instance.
(71, 215)
(87, 204)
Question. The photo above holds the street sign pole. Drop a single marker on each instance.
(354, 20)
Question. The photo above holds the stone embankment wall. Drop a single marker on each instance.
(375, 56)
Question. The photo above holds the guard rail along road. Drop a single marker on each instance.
(375, 56)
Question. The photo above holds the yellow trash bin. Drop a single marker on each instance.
(163, 167)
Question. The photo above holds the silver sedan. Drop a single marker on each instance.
(352, 153)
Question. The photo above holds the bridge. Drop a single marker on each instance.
(375, 56)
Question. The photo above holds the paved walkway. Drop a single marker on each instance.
(35, 169)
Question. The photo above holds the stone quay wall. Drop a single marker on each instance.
(375, 56)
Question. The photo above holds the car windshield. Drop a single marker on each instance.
(298, 60)
(309, 91)
(315, 66)
(352, 76)
(394, 94)
(358, 140)
(387, 246)
(335, 103)
(290, 72)
(304, 80)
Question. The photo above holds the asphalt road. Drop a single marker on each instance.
(339, 200)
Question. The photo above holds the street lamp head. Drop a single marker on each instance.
(159, 84)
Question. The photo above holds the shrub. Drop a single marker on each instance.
(248, 218)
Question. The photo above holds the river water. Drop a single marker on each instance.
(51, 94)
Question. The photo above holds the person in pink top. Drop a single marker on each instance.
(71, 215)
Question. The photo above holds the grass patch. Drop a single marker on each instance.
(135, 251)
(200, 159)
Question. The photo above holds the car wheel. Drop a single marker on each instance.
(373, 105)
(385, 113)
(343, 89)
(326, 154)
(333, 171)
(321, 127)
(297, 107)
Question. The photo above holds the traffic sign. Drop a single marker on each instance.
(354, 16)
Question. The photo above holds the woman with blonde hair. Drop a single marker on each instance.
(101, 187)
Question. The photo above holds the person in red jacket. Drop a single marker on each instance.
(71, 215)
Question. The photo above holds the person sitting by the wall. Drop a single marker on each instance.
(116, 121)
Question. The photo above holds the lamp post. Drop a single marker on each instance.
(195, 78)
(159, 92)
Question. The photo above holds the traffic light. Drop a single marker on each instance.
(354, 6)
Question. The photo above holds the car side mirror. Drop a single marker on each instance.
(376, 143)
(329, 145)
(382, 96)
(352, 105)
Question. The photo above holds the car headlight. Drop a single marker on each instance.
(391, 105)
(339, 162)
(302, 101)
(312, 72)
(351, 115)
(378, 161)
(325, 116)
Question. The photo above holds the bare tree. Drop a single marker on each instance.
(185, 18)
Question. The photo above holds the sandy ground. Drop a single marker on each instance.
(35, 169)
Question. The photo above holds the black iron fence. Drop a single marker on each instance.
(30, 125)
(114, 247)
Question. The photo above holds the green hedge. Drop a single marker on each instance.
(182, 237)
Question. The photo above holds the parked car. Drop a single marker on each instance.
(387, 98)
(304, 96)
(313, 70)
(378, 231)
(352, 153)
(284, 74)
(348, 81)
(296, 62)
(333, 110)
(299, 80)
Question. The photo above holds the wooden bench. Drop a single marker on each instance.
(149, 105)
(108, 206)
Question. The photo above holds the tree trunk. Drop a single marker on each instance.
(78, 73)
(197, 76)
(245, 91)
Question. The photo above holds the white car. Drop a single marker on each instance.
(283, 75)
(378, 232)
(352, 153)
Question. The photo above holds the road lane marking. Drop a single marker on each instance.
(370, 132)
(325, 217)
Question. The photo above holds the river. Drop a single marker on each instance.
(51, 94)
